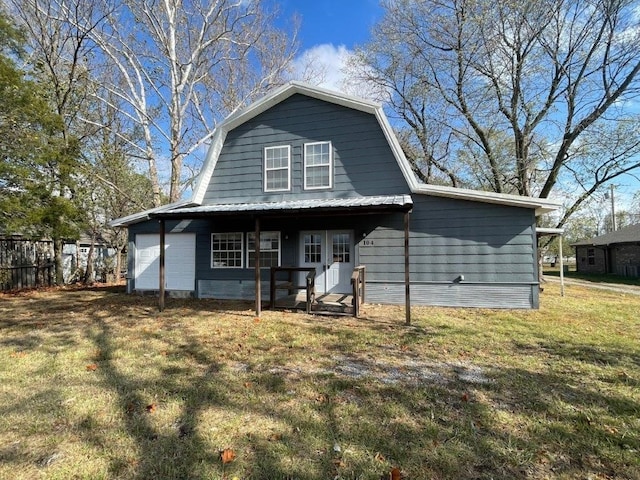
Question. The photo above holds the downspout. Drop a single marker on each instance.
(561, 268)
(407, 289)
(161, 269)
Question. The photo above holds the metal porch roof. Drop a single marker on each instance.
(390, 202)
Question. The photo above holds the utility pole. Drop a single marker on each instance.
(613, 211)
(613, 208)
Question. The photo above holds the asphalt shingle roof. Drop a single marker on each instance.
(630, 234)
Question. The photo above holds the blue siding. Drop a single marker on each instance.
(363, 162)
(492, 246)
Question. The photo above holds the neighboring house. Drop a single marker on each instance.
(323, 179)
(614, 252)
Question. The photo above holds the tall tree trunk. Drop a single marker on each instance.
(88, 271)
(57, 255)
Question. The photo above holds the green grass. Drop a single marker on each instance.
(466, 394)
(592, 277)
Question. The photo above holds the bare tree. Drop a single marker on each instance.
(515, 97)
(182, 66)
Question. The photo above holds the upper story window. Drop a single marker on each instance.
(318, 165)
(277, 168)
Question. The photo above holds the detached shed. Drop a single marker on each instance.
(614, 252)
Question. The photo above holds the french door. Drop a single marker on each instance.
(331, 253)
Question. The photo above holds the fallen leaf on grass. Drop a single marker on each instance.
(227, 455)
(18, 354)
(465, 397)
(92, 367)
(152, 407)
(379, 457)
(395, 474)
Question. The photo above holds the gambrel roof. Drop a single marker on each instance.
(277, 96)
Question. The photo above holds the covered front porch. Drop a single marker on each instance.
(319, 271)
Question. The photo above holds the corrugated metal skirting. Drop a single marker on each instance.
(454, 294)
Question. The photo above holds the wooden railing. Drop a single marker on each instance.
(290, 283)
(358, 284)
(311, 288)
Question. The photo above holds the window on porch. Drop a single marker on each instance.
(591, 256)
(269, 249)
(226, 250)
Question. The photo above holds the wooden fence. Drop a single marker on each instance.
(25, 263)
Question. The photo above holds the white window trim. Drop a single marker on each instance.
(279, 248)
(242, 250)
(265, 169)
(304, 173)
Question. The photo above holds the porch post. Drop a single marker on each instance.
(407, 296)
(161, 269)
(257, 269)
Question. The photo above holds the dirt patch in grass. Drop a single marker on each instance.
(98, 384)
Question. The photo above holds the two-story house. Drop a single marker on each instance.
(320, 178)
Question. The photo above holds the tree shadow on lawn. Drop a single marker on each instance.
(186, 451)
(450, 429)
(574, 427)
(178, 452)
(599, 355)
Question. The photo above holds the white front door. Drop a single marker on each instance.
(331, 253)
(180, 265)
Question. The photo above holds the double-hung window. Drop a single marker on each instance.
(269, 249)
(226, 250)
(591, 256)
(277, 168)
(318, 165)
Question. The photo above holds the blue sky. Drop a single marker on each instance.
(336, 22)
(329, 31)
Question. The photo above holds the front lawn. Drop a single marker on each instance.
(95, 384)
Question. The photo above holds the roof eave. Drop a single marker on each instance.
(145, 215)
(540, 205)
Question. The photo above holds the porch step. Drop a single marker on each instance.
(332, 311)
(332, 306)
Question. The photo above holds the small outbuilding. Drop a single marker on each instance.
(614, 252)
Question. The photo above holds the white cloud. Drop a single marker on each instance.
(322, 65)
(326, 66)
